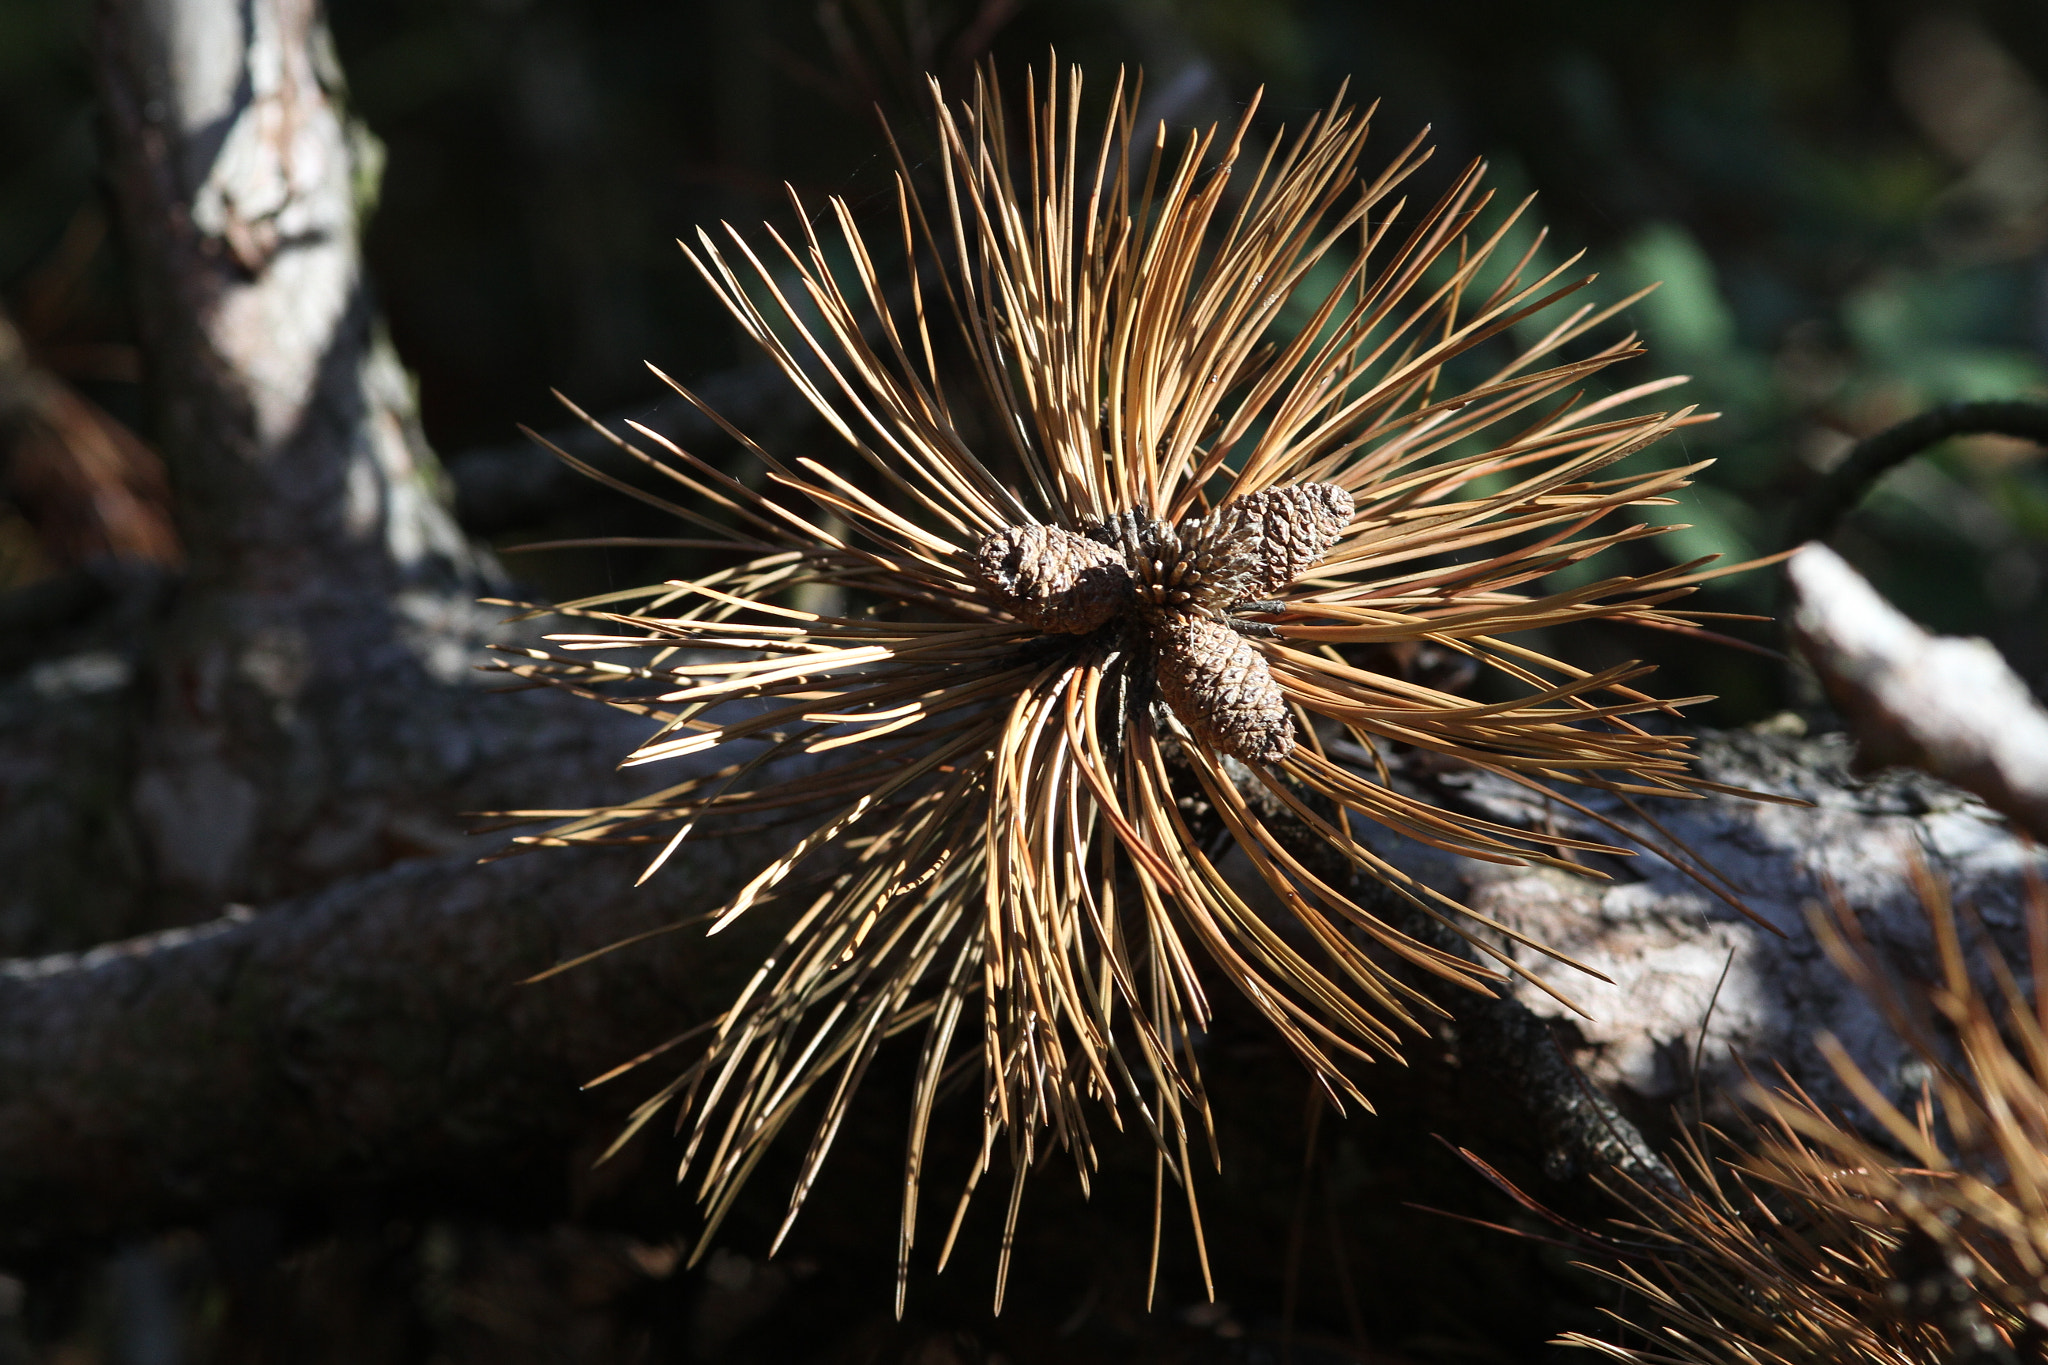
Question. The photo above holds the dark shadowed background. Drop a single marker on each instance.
(1846, 204)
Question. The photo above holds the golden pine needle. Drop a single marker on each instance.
(999, 802)
(1812, 1241)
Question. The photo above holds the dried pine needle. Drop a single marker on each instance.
(1807, 1238)
(1174, 517)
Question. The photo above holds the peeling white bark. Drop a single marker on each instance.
(1949, 706)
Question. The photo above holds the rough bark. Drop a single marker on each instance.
(1698, 989)
(302, 704)
(371, 1036)
(1951, 707)
(329, 585)
(295, 722)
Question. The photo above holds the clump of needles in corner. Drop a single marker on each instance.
(1208, 444)
(1900, 1240)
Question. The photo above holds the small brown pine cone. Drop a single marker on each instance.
(1189, 566)
(1054, 580)
(1295, 527)
(1213, 562)
(1217, 682)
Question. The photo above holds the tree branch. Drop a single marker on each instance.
(371, 1035)
(374, 1035)
(1877, 455)
(1949, 706)
(1694, 987)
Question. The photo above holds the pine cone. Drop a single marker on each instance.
(1199, 564)
(1217, 682)
(1053, 580)
(1217, 565)
(1292, 529)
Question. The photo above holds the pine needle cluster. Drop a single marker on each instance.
(1037, 628)
(1810, 1241)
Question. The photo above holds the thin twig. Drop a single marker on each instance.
(1874, 456)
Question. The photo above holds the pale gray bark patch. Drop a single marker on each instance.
(1665, 941)
(1950, 706)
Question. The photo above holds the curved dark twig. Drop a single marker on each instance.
(1846, 484)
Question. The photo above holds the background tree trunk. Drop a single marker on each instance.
(301, 705)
